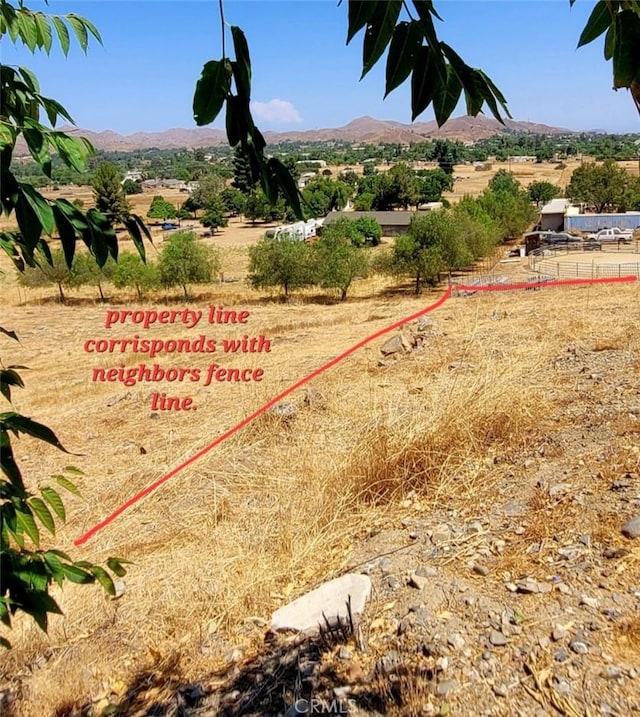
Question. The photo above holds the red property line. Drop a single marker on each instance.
(149, 489)
(499, 287)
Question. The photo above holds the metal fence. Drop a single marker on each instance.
(545, 261)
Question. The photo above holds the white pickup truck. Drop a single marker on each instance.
(612, 235)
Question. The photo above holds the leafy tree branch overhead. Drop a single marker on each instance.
(438, 76)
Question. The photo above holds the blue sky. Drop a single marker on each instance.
(304, 76)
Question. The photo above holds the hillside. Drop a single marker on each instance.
(480, 480)
(366, 130)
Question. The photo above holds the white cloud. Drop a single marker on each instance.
(279, 111)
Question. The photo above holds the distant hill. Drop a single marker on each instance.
(365, 130)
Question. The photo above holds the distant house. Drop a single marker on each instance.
(552, 215)
(392, 223)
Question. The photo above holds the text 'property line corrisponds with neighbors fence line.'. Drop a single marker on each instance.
(223, 437)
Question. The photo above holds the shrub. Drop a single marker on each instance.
(287, 263)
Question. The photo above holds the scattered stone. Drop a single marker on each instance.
(559, 633)
(386, 566)
(344, 653)
(589, 601)
(461, 365)
(456, 641)
(527, 586)
(314, 399)
(440, 533)
(234, 655)
(501, 690)
(570, 553)
(614, 553)
(388, 664)
(418, 581)
(479, 569)
(396, 344)
(611, 672)
(632, 528)
(445, 687)
(579, 646)
(285, 411)
(392, 582)
(561, 655)
(559, 489)
(497, 639)
(306, 613)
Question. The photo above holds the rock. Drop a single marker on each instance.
(392, 582)
(559, 633)
(559, 489)
(388, 664)
(497, 639)
(306, 613)
(396, 344)
(461, 366)
(561, 655)
(314, 399)
(285, 411)
(527, 586)
(456, 641)
(632, 528)
(344, 653)
(445, 687)
(589, 601)
(440, 533)
(479, 569)
(611, 672)
(418, 581)
(500, 690)
(571, 552)
(579, 646)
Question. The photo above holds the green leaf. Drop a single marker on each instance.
(8, 378)
(115, 565)
(55, 501)
(42, 512)
(379, 32)
(599, 20)
(359, 14)
(8, 464)
(79, 30)
(29, 78)
(287, 183)
(60, 554)
(53, 109)
(134, 225)
(27, 524)
(610, 42)
(28, 222)
(40, 206)
(626, 50)
(71, 150)
(103, 577)
(76, 575)
(44, 32)
(63, 33)
(21, 424)
(242, 66)
(10, 334)
(55, 566)
(92, 28)
(211, 91)
(66, 232)
(74, 471)
(7, 135)
(425, 11)
(103, 237)
(28, 29)
(424, 82)
(404, 47)
(67, 484)
(39, 149)
(446, 97)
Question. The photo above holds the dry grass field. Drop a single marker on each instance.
(282, 506)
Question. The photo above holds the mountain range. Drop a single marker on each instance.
(364, 130)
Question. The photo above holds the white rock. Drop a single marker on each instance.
(306, 613)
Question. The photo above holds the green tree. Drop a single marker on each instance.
(186, 260)
(233, 201)
(132, 272)
(542, 192)
(286, 263)
(338, 262)
(161, 209)
(604, 186)
(256, 206)
(243, 180)
(503, 181)
(55, 272)
(131, 187)
(432, 183)
(108, 192)
(214, 215)
(85, 271)
(368, 231)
